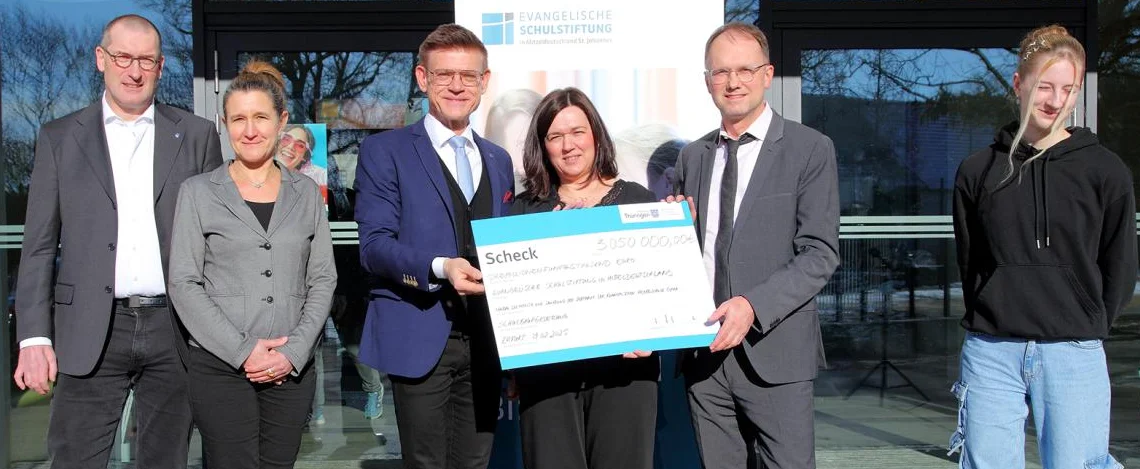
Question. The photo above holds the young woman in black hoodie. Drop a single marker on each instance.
(1045, 225)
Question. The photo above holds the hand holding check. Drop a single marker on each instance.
(465, 278)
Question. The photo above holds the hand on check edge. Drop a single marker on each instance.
(465, 278)
(736, 317)
(569, 206)
(678, 199)
(636, 354)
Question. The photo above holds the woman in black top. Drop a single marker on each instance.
(598, 413)
(1046, 234)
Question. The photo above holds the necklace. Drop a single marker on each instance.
(256, 185)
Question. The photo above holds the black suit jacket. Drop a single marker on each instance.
(71, 213)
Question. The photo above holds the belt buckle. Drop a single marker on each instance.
(134, 301)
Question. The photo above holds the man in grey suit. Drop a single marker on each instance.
(767, 209)
(102, 198)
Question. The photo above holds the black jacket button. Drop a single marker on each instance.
(267, 273)
(108, 289)
(269, 299)
(111, 246)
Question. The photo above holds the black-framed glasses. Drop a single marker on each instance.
(745, 75)
(446, 77)
(124, 60)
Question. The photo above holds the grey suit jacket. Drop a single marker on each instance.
(233, 282)
(71, 213)
(785, 244)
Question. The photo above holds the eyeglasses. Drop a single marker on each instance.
(298, 145)
(124, 60)
(446, 77)
(745, 75)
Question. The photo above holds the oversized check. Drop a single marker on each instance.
(587, 283)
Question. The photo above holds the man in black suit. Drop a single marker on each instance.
(102, 198)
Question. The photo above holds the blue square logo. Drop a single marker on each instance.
(498, 28)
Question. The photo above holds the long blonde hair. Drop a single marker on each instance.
(1052, 44)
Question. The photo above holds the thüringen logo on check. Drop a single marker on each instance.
(655, 211)
(498, 28)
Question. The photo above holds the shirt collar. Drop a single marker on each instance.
(109, 115)
(759, 127)
(440, 134)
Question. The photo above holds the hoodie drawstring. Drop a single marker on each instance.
(1045, 192)
(1042, 201)
(1036, 203)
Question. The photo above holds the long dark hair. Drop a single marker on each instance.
(541, 178)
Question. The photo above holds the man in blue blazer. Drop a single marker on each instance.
(418, 188)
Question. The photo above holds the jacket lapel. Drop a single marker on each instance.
(769, 150)
(226, 191)
(168, 138)
(287, 198)
(92, 139)
(490, 163)
(430, 159)
(708, 156)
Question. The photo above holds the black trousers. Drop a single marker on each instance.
(246, 425)
(589, 414)
(85, 410)
(447, 419)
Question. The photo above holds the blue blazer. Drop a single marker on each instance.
(404, 213)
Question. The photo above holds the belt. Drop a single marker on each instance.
(138, 301)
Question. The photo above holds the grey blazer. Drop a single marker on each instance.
(233, 282)
(72, 215)
(785, 244)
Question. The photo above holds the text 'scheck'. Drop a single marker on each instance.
(594, 282)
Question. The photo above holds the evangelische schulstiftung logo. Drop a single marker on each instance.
(498, 28)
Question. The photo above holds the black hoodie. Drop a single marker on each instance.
(1050, 253)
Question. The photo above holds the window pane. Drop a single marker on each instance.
(1118, 104)
(744, 11)
(903, 119)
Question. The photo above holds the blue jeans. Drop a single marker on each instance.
(1064, 382)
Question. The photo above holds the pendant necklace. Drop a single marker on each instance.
(256, 185)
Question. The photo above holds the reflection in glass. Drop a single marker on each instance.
(903, 119)
(1118, 80)
(346, 90)
(744, 11)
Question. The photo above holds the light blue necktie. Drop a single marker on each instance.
(462, 167)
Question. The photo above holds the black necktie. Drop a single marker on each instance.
(721, 289)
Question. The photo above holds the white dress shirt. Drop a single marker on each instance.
(746, 157)
(440, 135)
(138, 257)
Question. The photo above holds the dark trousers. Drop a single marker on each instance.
(734, 411)
(85, 410)
(447, 419)
(243, 424)
(595, 426)
(348, 314)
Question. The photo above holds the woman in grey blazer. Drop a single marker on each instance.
(251, 278)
